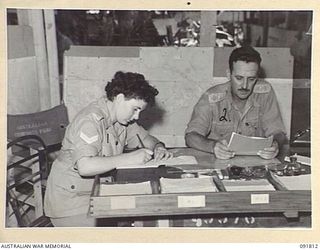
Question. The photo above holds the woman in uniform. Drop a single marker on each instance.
(94, 144)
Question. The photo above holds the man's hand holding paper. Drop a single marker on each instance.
(222, 151)
(270, 152)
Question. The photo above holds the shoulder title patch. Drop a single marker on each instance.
(262, 88)
(216, 97)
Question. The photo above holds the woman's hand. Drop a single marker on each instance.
(140, 156)
(161, 153)
(271, 152)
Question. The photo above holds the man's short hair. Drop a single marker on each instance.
(131, 85)
(246, 54)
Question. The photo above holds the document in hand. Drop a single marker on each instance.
(248, 145)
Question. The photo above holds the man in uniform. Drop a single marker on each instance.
(245, 104)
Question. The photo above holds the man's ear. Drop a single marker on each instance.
(228, 73)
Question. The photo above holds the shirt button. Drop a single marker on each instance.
(72, 187)
(240, 132)
(116, 143)
(247, 124)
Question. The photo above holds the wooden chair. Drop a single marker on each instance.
(24, 182)
(32, 139)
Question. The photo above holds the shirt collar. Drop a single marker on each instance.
(105, 105)
(251, 101)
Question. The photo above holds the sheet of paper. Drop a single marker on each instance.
(187, 185)
(247, 185)
(126, 189)
(179, 160)
(297, 182)
(247, 145)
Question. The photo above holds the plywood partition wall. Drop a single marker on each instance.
(180, 74)
(22, 87)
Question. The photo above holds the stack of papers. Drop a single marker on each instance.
(246, 145)
(247, 185)
(125, 189)
(297, 182)
(179, 160)
(187, 185)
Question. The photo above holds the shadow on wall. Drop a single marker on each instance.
(262, 73)
(151, 115)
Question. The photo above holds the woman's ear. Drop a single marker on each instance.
(120, 97)
(228, 73)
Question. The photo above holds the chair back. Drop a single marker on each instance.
(33, 139)
(25, 184)
(49, 125)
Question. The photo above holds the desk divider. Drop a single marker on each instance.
(288, 202)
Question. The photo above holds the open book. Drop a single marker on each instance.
(248, 145)
(179, 160)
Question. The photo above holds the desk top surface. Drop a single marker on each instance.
(207, 160)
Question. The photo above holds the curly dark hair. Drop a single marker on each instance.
(131, 85)
(246, 54)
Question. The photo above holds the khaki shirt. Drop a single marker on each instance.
(216, 117)
(91, 133)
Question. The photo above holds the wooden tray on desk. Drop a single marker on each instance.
(288, 202)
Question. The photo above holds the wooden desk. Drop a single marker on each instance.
(279, 208)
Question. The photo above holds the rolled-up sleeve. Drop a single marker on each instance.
(272, 122)
(201, 118)
(87, 140)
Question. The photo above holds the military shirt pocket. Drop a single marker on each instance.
(112, 145)
(73, 183)
(252, 123)
(107, 149)
(223, 129)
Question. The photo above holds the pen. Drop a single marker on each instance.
(140, 141)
